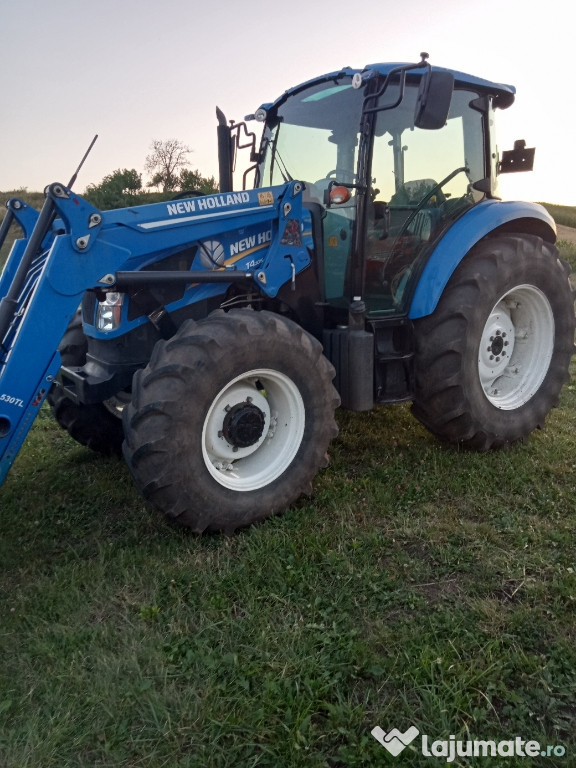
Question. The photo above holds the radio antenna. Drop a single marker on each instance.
(77, 171)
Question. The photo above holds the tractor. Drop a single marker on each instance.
(366, 258)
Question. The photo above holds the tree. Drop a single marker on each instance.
(117, 190)
(123, 188)
(168, 158)
(193, 181)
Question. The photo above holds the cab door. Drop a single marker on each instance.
(421, 181)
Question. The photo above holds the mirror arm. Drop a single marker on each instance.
(334, 183)
(402, 72)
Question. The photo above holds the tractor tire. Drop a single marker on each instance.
(97, 426)
(492, 358)
(231, 420)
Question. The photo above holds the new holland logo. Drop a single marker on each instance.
(212, 254)
(394, 741)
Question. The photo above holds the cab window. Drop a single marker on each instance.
(422, 180)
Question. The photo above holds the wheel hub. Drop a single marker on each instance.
(253, 429)
(497, 345)
(238, 423)
(243, 424)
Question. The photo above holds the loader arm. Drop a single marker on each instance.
(48, 272)
(18, 212)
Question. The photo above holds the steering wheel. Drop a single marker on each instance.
(403, 254)
(329, 176)
(436, 188)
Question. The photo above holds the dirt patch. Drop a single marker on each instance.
(568, 234)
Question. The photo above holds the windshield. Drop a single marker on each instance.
(313, 136)
(413, 182)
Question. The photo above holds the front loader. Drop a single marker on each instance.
(372, 262)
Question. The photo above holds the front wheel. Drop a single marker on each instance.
(97, 426)
(231, 420)
(492, 358)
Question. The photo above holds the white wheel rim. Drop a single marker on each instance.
(277, 404)
(516, 347)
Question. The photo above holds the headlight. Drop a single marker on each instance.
(109, 312)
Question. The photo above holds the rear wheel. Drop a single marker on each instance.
(492, 358)
(97, 426)
(231, 420)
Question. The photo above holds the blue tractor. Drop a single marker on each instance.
(371, 261)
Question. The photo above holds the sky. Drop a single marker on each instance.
(133, 71)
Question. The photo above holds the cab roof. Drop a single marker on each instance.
(503, 94)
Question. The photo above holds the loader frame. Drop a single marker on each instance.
(71, 247)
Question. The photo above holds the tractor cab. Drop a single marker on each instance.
(390, 157)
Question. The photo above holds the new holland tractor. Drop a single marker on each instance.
(372, 262)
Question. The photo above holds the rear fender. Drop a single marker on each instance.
(477, 223)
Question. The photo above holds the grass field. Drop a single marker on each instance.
(563, 214)
(420, 585)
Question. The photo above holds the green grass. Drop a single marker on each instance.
(419, 585)
(563, 214)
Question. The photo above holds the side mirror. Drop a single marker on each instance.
(433, 102)
(521, 158)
